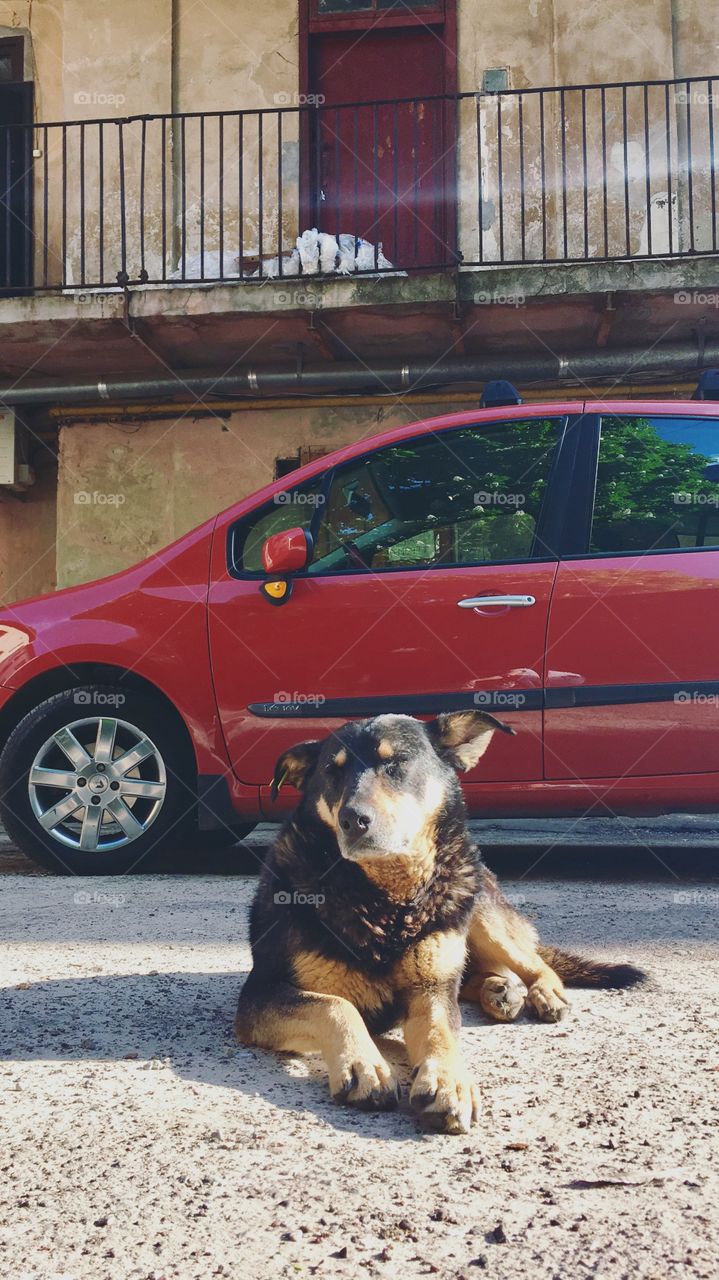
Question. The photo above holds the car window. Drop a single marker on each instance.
(469, 496)
(292, 508)
(657, 484)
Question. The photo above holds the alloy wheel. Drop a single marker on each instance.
(97, 784)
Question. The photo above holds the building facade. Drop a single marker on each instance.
(233, 236)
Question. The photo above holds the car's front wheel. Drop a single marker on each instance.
(93, 780)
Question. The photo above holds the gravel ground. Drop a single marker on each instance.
(138, 1141)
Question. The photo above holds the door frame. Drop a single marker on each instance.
(309, 26)
(18, 246)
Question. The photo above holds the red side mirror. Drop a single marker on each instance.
(286, 552)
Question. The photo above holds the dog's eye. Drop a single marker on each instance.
(393, 768)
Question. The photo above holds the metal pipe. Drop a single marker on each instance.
(625, 362)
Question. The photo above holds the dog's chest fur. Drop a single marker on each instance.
(348, 918)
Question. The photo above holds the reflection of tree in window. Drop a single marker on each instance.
(461, 497)
(655, 492)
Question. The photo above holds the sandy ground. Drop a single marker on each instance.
(138, 1141)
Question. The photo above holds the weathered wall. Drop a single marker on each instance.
(126, 490)
(237, 54)
(28, 536)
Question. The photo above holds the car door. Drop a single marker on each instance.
(632, 667)
(429, 590)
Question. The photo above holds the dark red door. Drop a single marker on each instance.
(382, 169)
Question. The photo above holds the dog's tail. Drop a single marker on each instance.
(578, 972)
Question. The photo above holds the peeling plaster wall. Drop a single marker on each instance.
(126, 490)
(236, 54)
(28, 535)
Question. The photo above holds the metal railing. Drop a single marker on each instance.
(583, 173)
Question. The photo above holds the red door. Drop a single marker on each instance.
(384, 172)
(632, 667)
(405, 539)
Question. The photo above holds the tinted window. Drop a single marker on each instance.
(657, 484)
(462, 497)
(293, 508)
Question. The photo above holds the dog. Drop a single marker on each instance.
(374, 910)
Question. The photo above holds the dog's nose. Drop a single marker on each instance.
(352, 822)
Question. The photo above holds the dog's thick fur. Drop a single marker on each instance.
(374, 910)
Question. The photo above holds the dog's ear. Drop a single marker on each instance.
(295, 766)
(462, 737)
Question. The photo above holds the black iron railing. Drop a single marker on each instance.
(582, 173)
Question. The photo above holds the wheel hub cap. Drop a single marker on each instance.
(97, 784)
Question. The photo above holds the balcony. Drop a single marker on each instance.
(574, 174)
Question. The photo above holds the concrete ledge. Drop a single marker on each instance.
(313, 293)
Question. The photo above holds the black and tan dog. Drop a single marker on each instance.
(374, 911)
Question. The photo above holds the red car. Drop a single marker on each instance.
(557, 564)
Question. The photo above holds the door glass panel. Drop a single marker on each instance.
(471, 496)
(657, 484)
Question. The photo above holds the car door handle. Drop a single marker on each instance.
(507, 602)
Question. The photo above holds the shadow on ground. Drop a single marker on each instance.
(180, 1022)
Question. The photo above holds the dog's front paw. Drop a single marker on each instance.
(367, 1084)
(549, 1004)
(444, 1097)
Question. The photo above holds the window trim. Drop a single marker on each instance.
(327, 478)
(373, 19)
(587, 474)
(13, 48)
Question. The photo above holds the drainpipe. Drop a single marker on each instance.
(683, 176)
(670, 359)
(174, 133)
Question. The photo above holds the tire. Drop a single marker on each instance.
(136, 808)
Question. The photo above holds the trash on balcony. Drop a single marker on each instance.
(319, 252)
(316, 252)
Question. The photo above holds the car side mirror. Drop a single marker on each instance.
(283, 554)
(286, 552)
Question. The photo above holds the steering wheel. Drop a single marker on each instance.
(354, 555)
